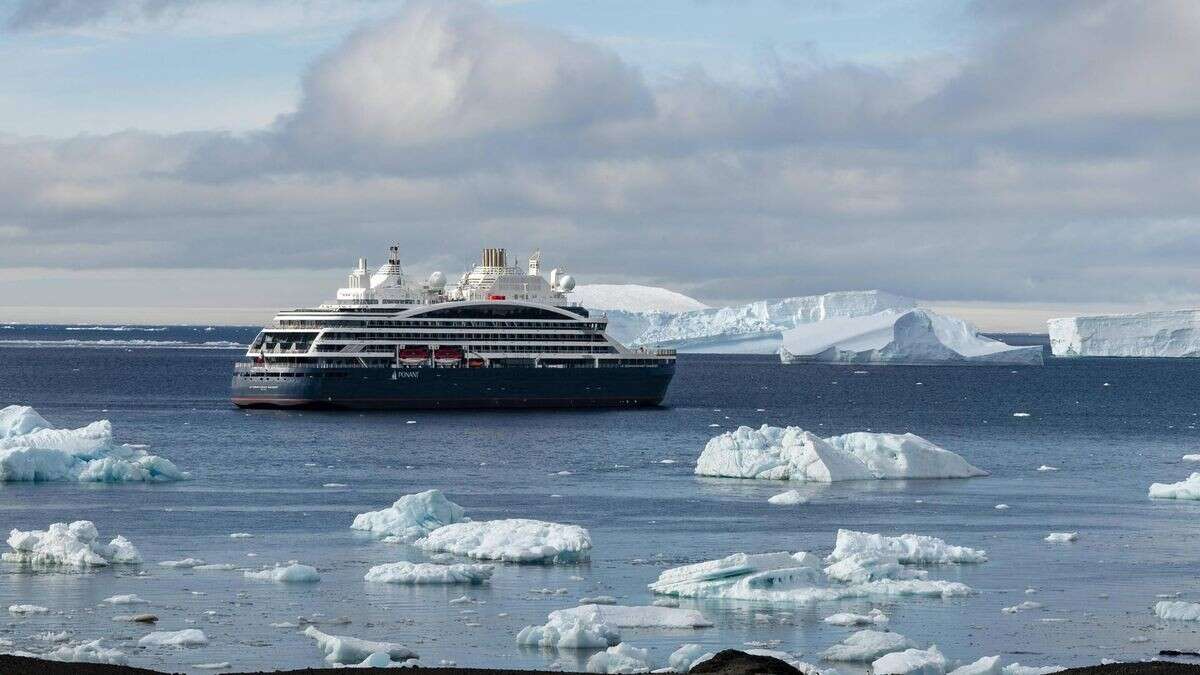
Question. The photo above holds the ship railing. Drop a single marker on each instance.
(656, 351)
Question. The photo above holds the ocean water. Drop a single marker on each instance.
(1111, 427)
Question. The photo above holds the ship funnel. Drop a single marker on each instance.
(494, 257)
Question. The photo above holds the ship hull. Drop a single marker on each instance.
(452, 388)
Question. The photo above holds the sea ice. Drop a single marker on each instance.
(27, 609)
(1018, 669)
(795, 454)
(1062, 537)
(186, 563)
(31, 449)
(126, 599)
(88, 652)
(188, 637)
(598, 600)
(681, 660)
(412, 516)
(621, 658)
(1191, 458)
(911, 549)
(1022, 607)
(911, 662)
(867, 645)
(290, 573)
(874, 617)
(76, 544)
(988, 665)
(428, 573)
(1185, 489)
(788, 498)
(1176, 610)
(626, 616)
(570, 631)
(349, 650)
(512, 540)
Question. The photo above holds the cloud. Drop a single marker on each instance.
(1052, 161)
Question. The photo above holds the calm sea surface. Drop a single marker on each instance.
(1111, 427)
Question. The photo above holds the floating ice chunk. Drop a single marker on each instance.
(412, 516)
(627, 616)
(1002, 507)
(570, 631)
(75, 544)
(911, 662)
(867, 645)
(218, 665)
(795, 454)
(906, 548)
(512, 540)
(789, 498)
(31, 449)
(88, 652)
(1018, 669)
(988, 665)
(1185, 489)
(240, 535)
(428, 573)
(1061, 537)
(1022, 607)
(681, 660)
(1191, 458)
(290, 573)
(1020, 414)
(186, 563)
(622, 658)
(126, 599)
(349, 650)
(188, 637)
(1172, 610)
(874, 617)
(1047, 467)
(222, 567)
(27, 609)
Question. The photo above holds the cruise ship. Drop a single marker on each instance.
(502, 337)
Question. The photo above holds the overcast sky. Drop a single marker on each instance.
(162, 160)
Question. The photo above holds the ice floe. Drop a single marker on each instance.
(987, 665)
(1176, 610)
(1191, 458)
(874, 617)
(291, 573)
(631, 616)
(912, 549)
(74, 544)
(126, 599)
(911, 662)
(512, 540)
(1062, 537)
(186, 563)
(792, 453)
(31, 449)
(412, 516)
(584, 630)
(681, 660)
(621, 658)
(1185, 489)
(429, 573)
(350, 650)
(27, 609)
(788, 498)
(1022, 607)
(1018, 669)
(88, 652)
(188, 637)
(867, 645)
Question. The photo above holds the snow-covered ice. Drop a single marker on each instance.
(186, 563)
(788, 498)
(1062, 537)
(1169, 333)
(1176, 610)
(290, 573)
(1021, 607)
(867, 645)
(412, 516)
(874, 617)
(88, 652)
(31, 449)
(792, 453)
(350, 650)
(621, 658)
(1018, 669)
(429, 573)
(188, 637)
(629, 616)
(1191, 458)
(905, 336)
(911, 662)
(987, 665)
(911, 549)
(27, 609)
(74, 544)
(571, 631)
(511, 540)
(126, 599)
(1184, 489)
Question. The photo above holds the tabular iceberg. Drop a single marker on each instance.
(795, 454)
(428, 573)
(511, 540)
(412, 516)
(31, 449)
(1174, 333)
(76, 544)
(899, 336)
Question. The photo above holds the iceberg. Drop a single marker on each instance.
(867, 645)
(634, 298)
(88, 652)
(349, 650)
(909, 549)
(792, 453)
(513, 540)
(1184, 489)
(428, 573)
(76, 544)
(911, 662)
(412, 516)
(291, 573)
(1176, 610)
(188, 637)
(627, 616)
(622, 658)
(900, 336)
(1061, 537)
(31, 449)
(585, 630)
(1172, 333)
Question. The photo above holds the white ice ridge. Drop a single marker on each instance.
(900, 336)
(350, 650)
(1184, 489)
(31, 449)
(756, 327)
(792, 453)
(1175, 610)
(633, 298)
(292, 572)
(1158, 334)
(512, 540)
(861, 566)
(428, 573)
(76, 544)
(412, 516)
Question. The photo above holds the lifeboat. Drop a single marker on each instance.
(447, 356)
(413, 356)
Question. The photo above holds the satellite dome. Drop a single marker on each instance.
(437, 281)
(566, 283)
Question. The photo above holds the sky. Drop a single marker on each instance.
(200, 161)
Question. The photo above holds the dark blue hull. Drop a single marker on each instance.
(429, 388)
